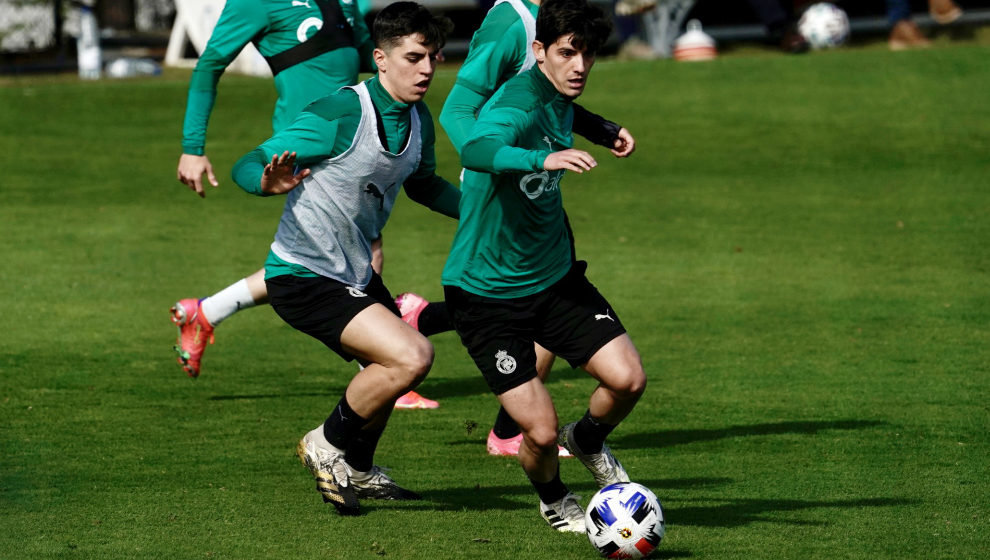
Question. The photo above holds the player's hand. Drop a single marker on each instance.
(625, 144)
(190, 172)
(280, 175)
(571, 159)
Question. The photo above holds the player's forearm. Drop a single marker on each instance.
(436, 193)
(456, 124)
(199, 106)
(491, 155)
(459, 114)
(595, 128)
(248, 170)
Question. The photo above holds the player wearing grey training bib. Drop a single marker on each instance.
(355, 149)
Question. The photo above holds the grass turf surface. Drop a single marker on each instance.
(798, 248)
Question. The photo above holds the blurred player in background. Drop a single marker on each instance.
(905, 33)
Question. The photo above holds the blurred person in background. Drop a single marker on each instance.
(904, 32)
(780, 24)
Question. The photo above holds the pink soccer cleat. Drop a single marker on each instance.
(195, 332)
(412, 399)
(499, 446)
(510, 446)
(410, 306)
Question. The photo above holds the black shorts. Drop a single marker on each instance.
(321, 307)
(570, 318)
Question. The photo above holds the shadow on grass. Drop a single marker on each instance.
(470, 384)
(328, 393)
(728, 513)
(440, 389)
(734, 513)
(670, 438)
(664, 553)
(522, 496)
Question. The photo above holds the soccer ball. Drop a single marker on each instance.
(624, 520)
(824, 25)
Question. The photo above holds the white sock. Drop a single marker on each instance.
(321, 440)
(358, 476)
(227, 301)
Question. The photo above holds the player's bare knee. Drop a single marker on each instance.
(543, 438)
(637, 383)
(629, 385)
(416, 360)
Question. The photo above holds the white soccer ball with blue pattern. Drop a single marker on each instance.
(624, 520)
(824, 25)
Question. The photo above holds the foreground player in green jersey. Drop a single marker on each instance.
(355, 149)
(500, 49)
(511, 281)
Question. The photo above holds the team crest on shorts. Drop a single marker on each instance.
(356, 292)
(504, 362)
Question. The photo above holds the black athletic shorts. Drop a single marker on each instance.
(321, 307)
(570, 318)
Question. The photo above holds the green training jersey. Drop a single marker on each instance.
(326, 129)
(500, 49)
(274, 26)
(512, 239)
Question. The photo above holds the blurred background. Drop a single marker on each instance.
(41, 35)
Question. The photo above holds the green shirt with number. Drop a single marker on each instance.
(274, 26)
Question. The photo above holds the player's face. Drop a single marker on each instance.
(406, 70)
(566, 66)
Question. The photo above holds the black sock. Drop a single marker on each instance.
(342, 424)
(361, 448)
(590, 434)
(552, 491)
(505, 427)
(435, 319)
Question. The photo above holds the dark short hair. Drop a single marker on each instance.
(589, 24)
(401, 19)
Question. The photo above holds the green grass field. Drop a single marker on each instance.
(799, 248)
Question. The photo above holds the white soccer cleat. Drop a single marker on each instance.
(603, 465)
(331, 473)
(376, 485)
(566, 516)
